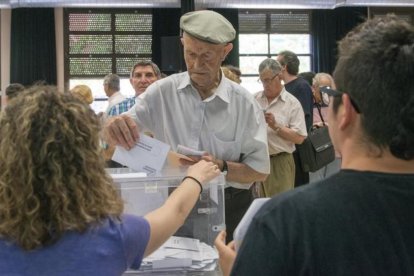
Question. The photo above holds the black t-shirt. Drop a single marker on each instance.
(353, 223)
(303, 92)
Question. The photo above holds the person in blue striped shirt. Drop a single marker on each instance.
(143, 74)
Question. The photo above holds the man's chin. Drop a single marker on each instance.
(141, 90)
(199, 80)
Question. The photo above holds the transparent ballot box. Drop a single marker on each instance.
(190, 250)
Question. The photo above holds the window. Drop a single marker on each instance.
(264, 34)
(103, 41)
(405, 13)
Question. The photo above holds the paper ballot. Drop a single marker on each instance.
(147, 156)
(189, 151)
(244, 224)
(180, 253)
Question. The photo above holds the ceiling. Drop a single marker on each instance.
(204, 4)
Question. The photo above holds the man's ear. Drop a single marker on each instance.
(348, 115)
(227, 50)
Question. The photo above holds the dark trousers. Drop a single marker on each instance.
(301, 177)
(237, 201)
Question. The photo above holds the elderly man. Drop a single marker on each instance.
(286, 127)
(111, 86)
(143, 74)
(203, 110)
(359, 221)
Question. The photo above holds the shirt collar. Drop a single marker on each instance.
(222, 90)
(282, 96)
(113, 95)
(185, 81)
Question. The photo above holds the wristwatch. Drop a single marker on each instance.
(225, 169)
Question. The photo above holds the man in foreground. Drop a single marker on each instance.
(205, 111)
(358, 221)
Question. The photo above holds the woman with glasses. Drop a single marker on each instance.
(320, 110)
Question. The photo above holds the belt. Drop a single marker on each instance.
(278, 154)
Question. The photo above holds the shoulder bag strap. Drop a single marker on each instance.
(320, 113)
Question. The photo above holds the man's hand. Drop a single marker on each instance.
(227, 253)
(121, 130)
(206, 156)
(271, 121)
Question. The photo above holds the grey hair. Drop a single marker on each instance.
(319, 76)
(143, 63)
(271, 64)
(113, 81)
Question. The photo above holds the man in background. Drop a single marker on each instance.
(143, 74)
(205, 111)
(286, 127)
(299, 88)
(111, 86)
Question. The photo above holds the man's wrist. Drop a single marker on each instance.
(277, 128)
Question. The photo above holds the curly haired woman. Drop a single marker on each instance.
(60, 213)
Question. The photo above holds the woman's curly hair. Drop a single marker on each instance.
(52, 176)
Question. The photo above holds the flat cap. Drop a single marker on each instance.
(208, 26)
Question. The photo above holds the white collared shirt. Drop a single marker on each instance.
(288, 112)
(229, 124)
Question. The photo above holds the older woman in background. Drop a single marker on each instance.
(83, 93)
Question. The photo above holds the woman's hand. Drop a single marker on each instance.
(203, 171)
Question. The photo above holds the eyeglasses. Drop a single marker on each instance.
(267, 81)
(327, 91)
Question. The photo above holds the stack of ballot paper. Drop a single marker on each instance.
(179, 253)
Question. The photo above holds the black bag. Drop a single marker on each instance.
(317, 149)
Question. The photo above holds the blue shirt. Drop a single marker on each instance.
(108, 249)
(303, 92)
(122, 107)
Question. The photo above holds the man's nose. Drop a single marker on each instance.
(198, 62)
(144, 79)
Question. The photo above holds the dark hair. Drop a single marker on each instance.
(143, 63)
(375, 67)
(307, 76)
(13, 89)
(290, 59)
